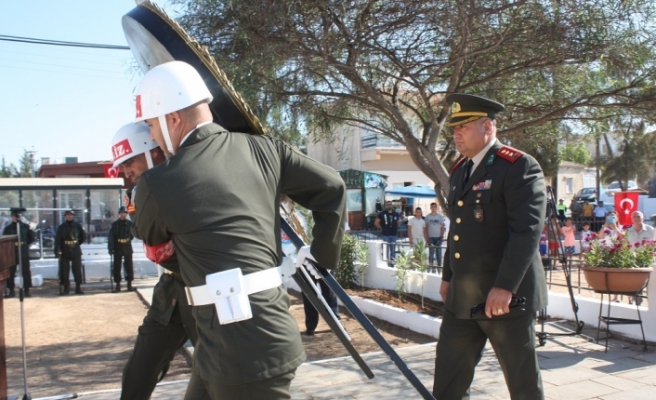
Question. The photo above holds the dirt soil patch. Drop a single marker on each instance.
(79, 343)
(409, 301)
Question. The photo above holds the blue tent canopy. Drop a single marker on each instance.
(417, 191)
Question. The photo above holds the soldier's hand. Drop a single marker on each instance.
(444, 290)
(498, 302)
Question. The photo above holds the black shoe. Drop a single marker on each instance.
(130, 288)
(78, 290)
(65, 292)
(11, 294)
(117, 288)
(309, 333)
(27, 293)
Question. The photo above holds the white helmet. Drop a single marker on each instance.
(130, 141)
(169, 87)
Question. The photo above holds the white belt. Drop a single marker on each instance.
(253, 283)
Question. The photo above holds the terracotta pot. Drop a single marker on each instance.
(621, 280)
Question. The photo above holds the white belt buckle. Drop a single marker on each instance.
(228, 291)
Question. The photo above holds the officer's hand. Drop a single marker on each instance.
(498, 302)
(58, 255)
(444, 290)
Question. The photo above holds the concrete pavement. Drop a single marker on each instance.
(573, 368)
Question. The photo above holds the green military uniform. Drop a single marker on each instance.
(496, 220)
(167, 327)
(70, 235)
(218, 199)
(27, 238)
(119, 244)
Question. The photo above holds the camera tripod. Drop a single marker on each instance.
(554, 236)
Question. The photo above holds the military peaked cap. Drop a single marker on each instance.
(466, 108)
(122, 210)
(69, 212)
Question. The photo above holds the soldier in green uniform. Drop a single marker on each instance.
(70, 235)
(119, 245)
(496, 203)
(27, 238)
(216, 201)
(168, 323)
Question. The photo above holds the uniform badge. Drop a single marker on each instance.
(484, 185)
(478, 214)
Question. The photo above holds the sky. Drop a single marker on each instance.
(64, 101)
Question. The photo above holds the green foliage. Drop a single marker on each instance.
(402, 264)
(618, 253)
(577, 153)
(7, 171)
(636, 156)
(387, 65)
(420, 264)
(352, 261)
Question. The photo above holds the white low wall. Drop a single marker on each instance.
(379, 275)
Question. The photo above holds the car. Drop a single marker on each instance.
(615, 186)
(588, 193)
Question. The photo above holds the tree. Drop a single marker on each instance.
(387, 65)
(7, 171)
(636, 156)
(25, 165)
(577, 153)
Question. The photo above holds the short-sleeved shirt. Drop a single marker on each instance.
(599, 212)
(416, 227)
(389, 222)
(434, 223)
(646, 233)
(587, 210)
(568, 232)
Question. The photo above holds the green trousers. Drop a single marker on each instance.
(276, 388)
(460, 348)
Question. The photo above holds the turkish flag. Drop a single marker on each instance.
(625, 204)
(110, 172)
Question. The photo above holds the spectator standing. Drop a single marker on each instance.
(561, 209)
(587, 210)
(388, 222)
(639, 231)
(435, 223)
(120, 246)
(585, 236)
(417, 231)
(599, 215)
(570, 240)
(26, 238)
(70, 236)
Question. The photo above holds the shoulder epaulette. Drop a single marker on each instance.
(510, 154)
(458, 164)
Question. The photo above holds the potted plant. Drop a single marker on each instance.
(614, 265)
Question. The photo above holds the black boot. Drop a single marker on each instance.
(78, 289)
(117, 288)
(130, 289)
(66, 291)
(27, 292)
(11, 294)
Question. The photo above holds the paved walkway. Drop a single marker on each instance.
(573, 368)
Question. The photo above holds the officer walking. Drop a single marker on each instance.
(168, 323)
(120, 246)
(27, 237)
(216, 201)
(70, 235)
(497, 204)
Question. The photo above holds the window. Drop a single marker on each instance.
(569, 185)
(104, 211)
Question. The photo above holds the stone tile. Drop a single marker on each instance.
(621, 383)
(581, 390)
(570, 375)
(645, 393)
